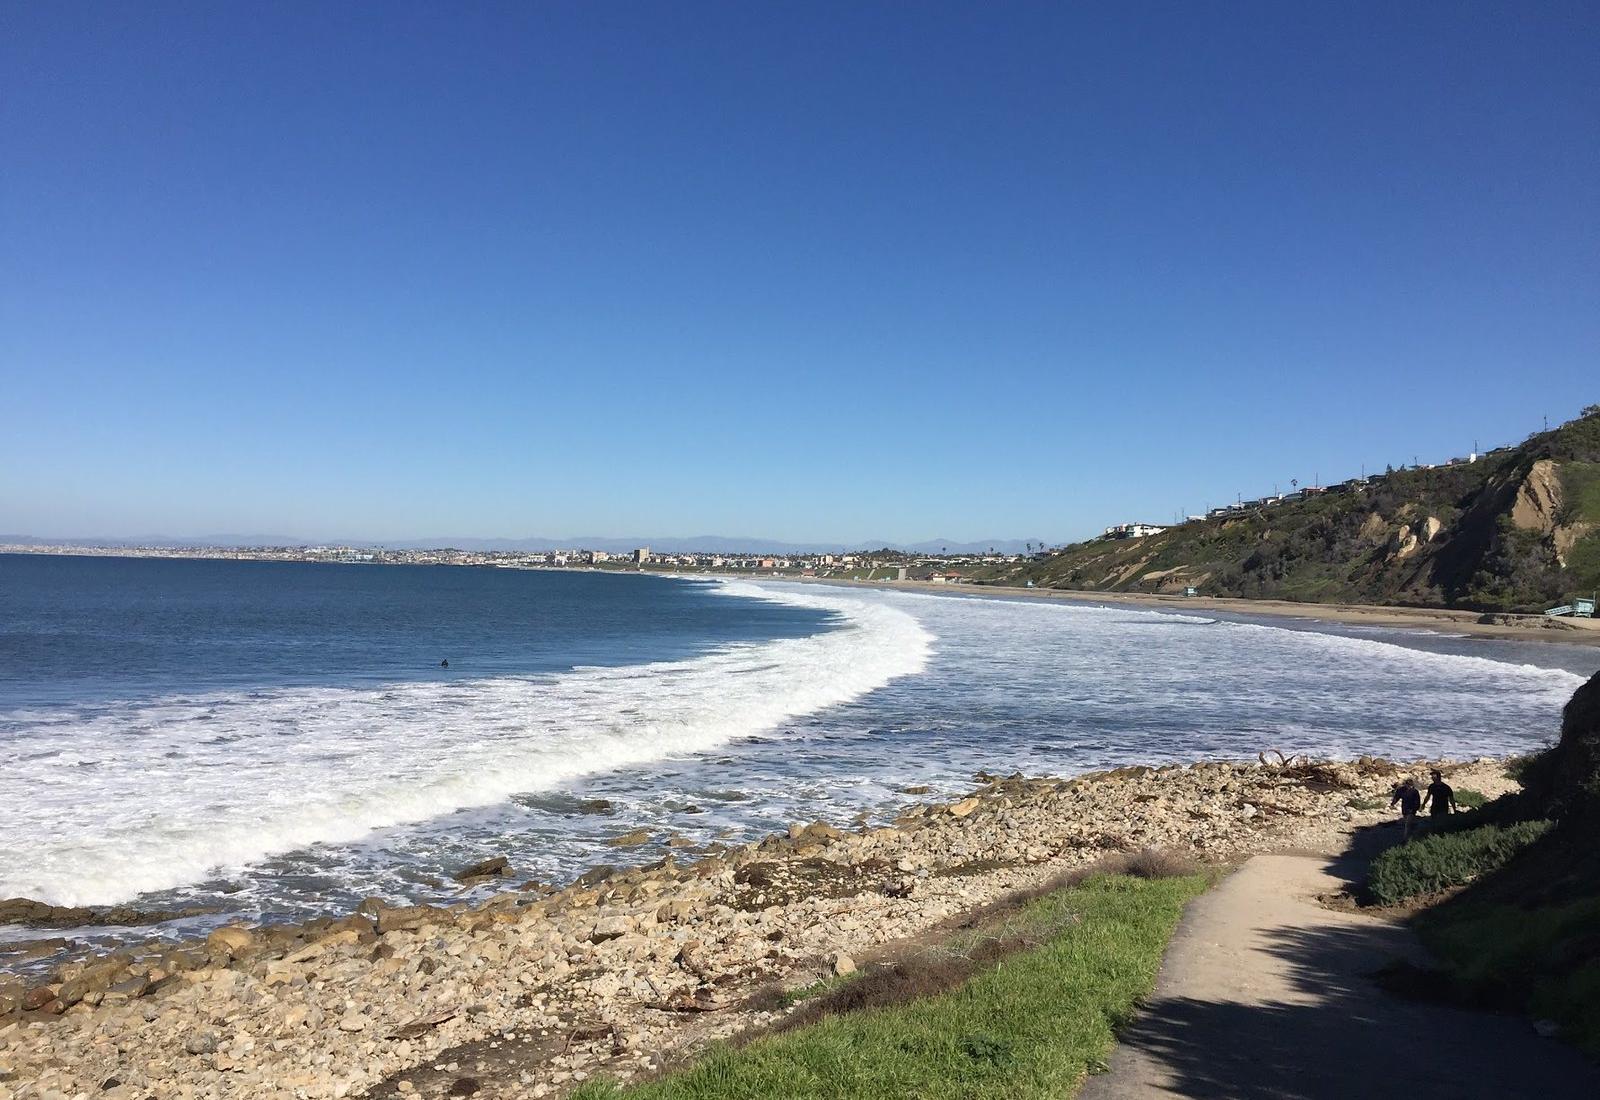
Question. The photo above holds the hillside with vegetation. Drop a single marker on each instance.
(1516, 530)
(1515, 890)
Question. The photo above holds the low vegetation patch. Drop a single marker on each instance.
(1447, 859)
(1524, 937)
(1543, 961)
(1469, 799)
(1023, 1006)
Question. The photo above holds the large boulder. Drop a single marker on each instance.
(410, 917)
(12, 992)
(1565, 781)
(232, 939)
(487, 869)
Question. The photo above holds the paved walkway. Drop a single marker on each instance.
(1265, 993)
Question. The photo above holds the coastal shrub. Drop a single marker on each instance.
(1580, 491)
(1469, 799)
(1148, 863)
(1525, 769)
(1151, 863)
(1029, 1027)
(1523, 939)
(1543, 961)
(1578, 440)
(774, 998)
(1583, 564)
(1447, 859)
(1565, 780)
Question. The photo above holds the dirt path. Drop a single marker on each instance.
(1265, 993)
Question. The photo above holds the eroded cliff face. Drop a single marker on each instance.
(1537, 506)
(1542, 507)
(1516, 530)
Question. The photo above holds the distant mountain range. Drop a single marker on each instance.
(699, 544)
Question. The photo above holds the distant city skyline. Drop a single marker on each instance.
(815, 277)
(699, 544)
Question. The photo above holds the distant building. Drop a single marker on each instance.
(595, 557)
(641, 555)
(1133, 530)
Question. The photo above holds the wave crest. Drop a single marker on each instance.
(126, 799)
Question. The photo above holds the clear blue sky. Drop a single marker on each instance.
(810, 271)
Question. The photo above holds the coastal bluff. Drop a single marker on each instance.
(626, 969)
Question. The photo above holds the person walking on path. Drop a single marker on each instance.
(1409, 799)
(1442, 797)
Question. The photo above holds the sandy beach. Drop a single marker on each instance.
(1506, 627)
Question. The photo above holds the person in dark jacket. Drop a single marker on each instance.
(1442, 797)
(1409, 799)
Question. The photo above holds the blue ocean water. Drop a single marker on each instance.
(80, 628)
(279, 740)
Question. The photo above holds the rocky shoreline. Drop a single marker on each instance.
(624, 970)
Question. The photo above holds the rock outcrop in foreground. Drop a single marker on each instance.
(623, 968)
(1565, 782)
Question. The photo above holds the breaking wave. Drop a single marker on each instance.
(107, 802)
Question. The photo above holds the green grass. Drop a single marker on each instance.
(792, 997)
(1526, 937)
(1032, 1026)
(1541, 960)
(1447, 859)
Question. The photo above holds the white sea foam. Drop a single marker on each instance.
(107, 802)
(1082, 686)
(113, 801)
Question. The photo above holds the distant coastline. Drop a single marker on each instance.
(1506, 627)
(1491, 625)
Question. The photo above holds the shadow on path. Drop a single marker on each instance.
(1267, 994)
